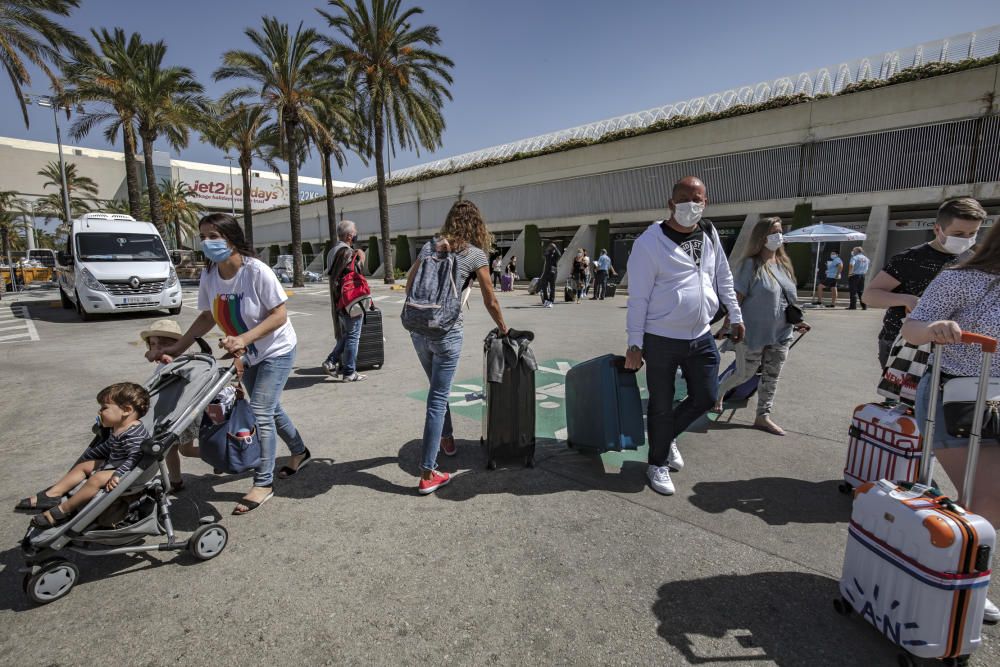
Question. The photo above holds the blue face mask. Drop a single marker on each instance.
(216, 250)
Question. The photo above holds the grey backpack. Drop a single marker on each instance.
(433, 299)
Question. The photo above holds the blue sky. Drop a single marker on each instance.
(525, 67)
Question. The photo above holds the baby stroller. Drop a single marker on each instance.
(119, 521)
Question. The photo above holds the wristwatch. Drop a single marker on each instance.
(634, 348)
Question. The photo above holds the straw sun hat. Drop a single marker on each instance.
(162, 328)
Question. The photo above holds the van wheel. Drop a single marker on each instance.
(83, 314)
(66, 303)
(175, 311)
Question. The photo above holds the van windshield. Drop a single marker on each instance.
(110, 247)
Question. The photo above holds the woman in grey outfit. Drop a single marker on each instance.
(764, 281)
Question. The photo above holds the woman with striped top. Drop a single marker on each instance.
(241, 295)
(465, 235)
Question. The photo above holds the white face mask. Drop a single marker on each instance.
(687, 214)
(774, 241)
(956, 245)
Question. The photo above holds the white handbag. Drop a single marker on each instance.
(959, 400)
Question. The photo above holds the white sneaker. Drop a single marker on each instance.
(991, 614)
(659, 479)
(674, 459)
(548, 304)
(330, 368)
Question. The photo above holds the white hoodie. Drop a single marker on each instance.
(669, 295)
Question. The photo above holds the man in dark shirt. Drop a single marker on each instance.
(898, 286)
(547, 281)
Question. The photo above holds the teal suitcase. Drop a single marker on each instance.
(603, 406)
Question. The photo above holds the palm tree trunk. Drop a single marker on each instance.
(177, 233)
(131, 176)
(247, 204)
(155, 207)
(331, 209)
(293, 203)
(383, 200)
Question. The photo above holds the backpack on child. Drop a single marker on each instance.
(433, 298)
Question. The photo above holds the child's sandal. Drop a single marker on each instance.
(42, 502)
(50, 518)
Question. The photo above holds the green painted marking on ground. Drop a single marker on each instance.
(550, 404)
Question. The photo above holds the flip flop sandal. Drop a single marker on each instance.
(43, 521)
(251, 505)
(287, 471)
(42, 502)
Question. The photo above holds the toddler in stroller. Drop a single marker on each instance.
(112, 519)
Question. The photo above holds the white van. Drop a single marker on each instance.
(112, 263)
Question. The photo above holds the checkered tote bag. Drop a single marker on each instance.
(907, 364)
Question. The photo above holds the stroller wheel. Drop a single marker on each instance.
(208, 541)
(53, 581)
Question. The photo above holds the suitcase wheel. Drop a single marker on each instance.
(842, 606)
(491, 465)
(905, 660)
(845, 488)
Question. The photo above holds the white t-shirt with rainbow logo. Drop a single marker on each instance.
(242, 302)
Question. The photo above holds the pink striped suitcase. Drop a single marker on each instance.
(917, 564)
(884, 444)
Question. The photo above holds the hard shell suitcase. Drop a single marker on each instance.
(884, 444)
(610, 289)
(371, 347)
(917, 565)
(533, 286)
(506, 282)
(509, 414)
(603, 406)
(570, 293)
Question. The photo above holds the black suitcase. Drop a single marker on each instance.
(570, 293)
(609, 290)
(509, 416)
(371, 347)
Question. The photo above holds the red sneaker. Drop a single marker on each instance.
(448, 446)
(437, 480)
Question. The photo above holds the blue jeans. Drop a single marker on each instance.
(699, 360)
(440, 361)
(265, 381)
(346, 351)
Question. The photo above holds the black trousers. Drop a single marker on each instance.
(601, 285)
(699, 359)
(856, 284)
(547, 286)
(496, 279)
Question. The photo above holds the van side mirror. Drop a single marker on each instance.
(65, 259)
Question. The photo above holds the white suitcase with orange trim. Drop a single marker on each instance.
(917, 565)
(884, 444)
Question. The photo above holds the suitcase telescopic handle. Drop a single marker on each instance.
(989, 347)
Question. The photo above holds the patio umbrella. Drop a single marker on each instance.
(822, 233)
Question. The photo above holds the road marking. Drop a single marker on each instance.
(18, 319)
(561, 368)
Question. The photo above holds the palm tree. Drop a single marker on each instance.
(179, 209)
(169, 103)
(238, 128)
(10, 212)
(402, 82)
(83, 192)
(287, 71)
(340, 118)
(107, 77)
(29, 35)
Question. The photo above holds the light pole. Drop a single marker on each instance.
(232, 201)
(46, 101)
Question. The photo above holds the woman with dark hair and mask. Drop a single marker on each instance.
(241, 295)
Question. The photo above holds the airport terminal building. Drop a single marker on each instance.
(879, 160)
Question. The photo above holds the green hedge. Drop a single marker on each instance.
(403, 260)
(533, 263)
(801, 253)
(603, 241)
(374, 258)
(273, 251)
(307, 248)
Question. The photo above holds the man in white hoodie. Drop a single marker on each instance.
(677, 275)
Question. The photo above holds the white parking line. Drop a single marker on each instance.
(17, 325)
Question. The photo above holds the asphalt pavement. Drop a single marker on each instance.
(576, 561)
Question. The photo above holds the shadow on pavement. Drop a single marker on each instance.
(185, 513)
(782, 617)
(777, 501)
(321, 475)
(574, 472)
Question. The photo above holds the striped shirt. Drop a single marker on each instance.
(469, 260)
(119, 451)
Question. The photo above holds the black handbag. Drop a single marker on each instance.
(793, 314)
